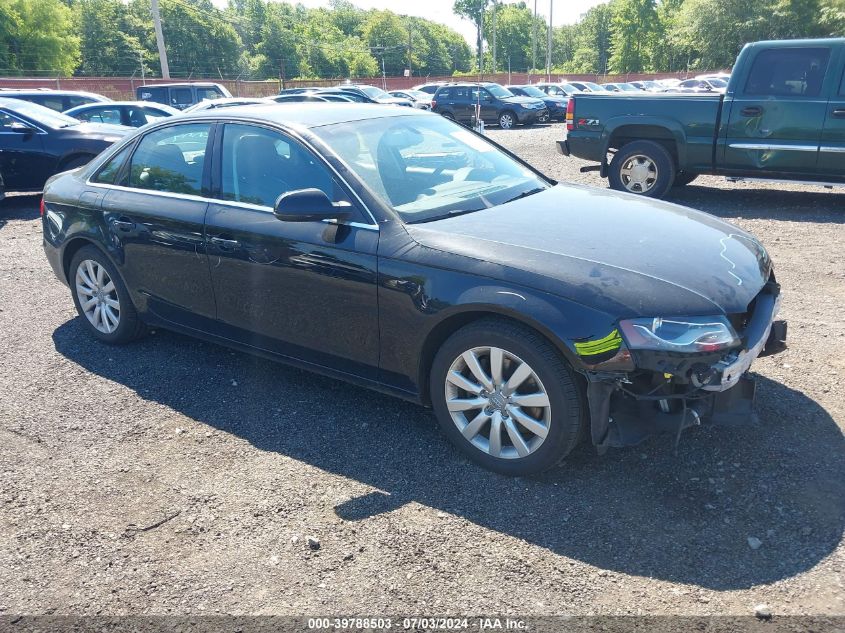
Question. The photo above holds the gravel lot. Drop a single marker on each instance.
(244, 460)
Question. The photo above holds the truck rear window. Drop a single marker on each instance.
(785, 72)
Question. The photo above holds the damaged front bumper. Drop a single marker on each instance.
(670, 391)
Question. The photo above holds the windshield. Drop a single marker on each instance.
(533, 91)
(373, 93)
(427, 167)
(592, 86)
(570, 88)
(498, 91)
(628, 87)
(42, 115)
(718, 83)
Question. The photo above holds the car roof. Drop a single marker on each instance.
(112, 104)
(304, 115)
(180, 84)
(9, 92)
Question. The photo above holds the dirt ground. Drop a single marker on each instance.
(173, 476)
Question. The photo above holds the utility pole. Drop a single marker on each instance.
(534, 39)
(549, 44)
(494, 37)
(162, 54)
(410, 46)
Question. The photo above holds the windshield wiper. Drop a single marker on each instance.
(525, 194)
(450, 214)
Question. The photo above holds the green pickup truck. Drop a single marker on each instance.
(782, 118)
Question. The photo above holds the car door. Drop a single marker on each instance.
(777, 113)
(23, 163)
(306, 290)
(832, 149)
(154, 212)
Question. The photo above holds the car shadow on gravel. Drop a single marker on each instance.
(647, 511)
(768, 204)
(19, 207)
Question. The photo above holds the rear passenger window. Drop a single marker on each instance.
(171, 159)
(445, 93)
(104, 115)
(108, 172)
(208, 93)
(72, 101)
(788, 72)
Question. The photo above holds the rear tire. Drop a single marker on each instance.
(101, 298)
(507, 120)
(448, 115)
(534, 400)
(644, 168)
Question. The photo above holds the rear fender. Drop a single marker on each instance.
(653, 129)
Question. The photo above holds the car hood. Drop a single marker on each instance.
(524, 100)
(619, 253)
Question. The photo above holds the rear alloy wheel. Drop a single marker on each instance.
(507, 120)
(506, 398)
(644, 168)
(101, 298)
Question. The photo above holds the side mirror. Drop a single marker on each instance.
(309, 205)
(21, 128)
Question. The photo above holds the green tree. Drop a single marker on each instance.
(592, 42)
(633, 29)
(513, 34)
(387, 38)
(474, 10)
(39, 36)
(106, 49)
(200, 42)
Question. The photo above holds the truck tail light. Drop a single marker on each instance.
(433, 104)
(570, 114)
(42, 206)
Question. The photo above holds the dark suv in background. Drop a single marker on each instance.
(181, 96)
(458, 102)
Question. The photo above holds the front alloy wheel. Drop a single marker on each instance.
(498, 402)
(506, 397)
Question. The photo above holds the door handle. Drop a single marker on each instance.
(225, 244)
(752, 111)
(124, 226)
(839, 113)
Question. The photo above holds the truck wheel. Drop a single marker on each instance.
(448, 115)
(683, 178)
(642, 167)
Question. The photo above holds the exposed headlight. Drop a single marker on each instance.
(679, 334)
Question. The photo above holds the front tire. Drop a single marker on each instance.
(506, 398)
(101, 298)
(644, 168)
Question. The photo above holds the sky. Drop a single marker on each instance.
(565, 11)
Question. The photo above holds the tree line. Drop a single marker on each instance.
(250, 39)
(633, 36)
(261, 39)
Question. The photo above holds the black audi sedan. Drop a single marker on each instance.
(395, 249)
(37, 142)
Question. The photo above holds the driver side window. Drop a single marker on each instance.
(258, 165)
